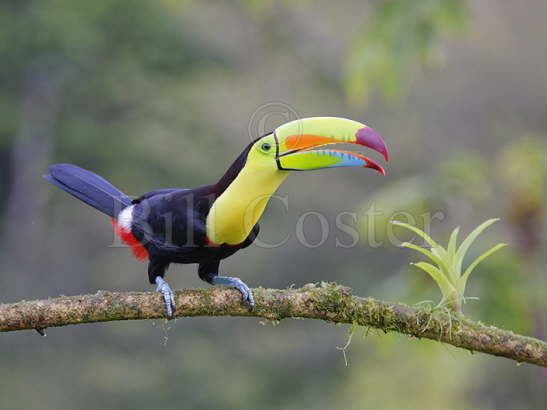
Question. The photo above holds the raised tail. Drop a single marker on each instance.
(88, 187)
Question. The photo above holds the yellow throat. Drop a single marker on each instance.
(236, 211)
(241, 205)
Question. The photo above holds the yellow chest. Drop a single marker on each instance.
(235, 212)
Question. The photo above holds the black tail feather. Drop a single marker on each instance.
(88, 187)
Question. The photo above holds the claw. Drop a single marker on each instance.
(168, 296)
(246, 294)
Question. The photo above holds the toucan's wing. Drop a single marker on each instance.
(151, 194)
(168, 220)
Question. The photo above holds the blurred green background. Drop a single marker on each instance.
(166, 93)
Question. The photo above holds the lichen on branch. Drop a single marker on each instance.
(327, 301)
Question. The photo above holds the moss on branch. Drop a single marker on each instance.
(328, 302)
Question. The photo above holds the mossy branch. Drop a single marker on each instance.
(328, 302)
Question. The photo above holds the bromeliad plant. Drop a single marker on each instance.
(447, 266)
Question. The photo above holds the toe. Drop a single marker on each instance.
(168, 305)
(244, 289)
(244, 294)
(251, 301)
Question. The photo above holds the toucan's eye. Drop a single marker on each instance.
(266, 147)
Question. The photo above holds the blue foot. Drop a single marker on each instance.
(246, 295)
(165, 289)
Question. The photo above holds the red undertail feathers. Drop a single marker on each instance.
(138, 250)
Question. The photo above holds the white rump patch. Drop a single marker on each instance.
(125, 218)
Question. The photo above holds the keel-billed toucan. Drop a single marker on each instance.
(207, 224)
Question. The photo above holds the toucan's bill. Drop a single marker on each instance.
(300, 144)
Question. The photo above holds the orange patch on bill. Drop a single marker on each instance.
(306, 141)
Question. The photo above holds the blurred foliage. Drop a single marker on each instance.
(126, 63)
(160, 93)
(523, 172)
(523, 168)
(504, 294)
(453, 386)
(460, 182)
(398, 36)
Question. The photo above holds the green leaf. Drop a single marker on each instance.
(427, 253)
(438, 277)
(470, 268)
(423, 251)
(466, 244)
(451, 255)
(440, 250)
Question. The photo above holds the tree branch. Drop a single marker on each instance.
(329, 302)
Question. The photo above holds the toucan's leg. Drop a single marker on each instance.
(155, 275)
(168, 297)
(209, 273)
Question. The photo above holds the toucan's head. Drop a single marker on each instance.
(300, 146)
